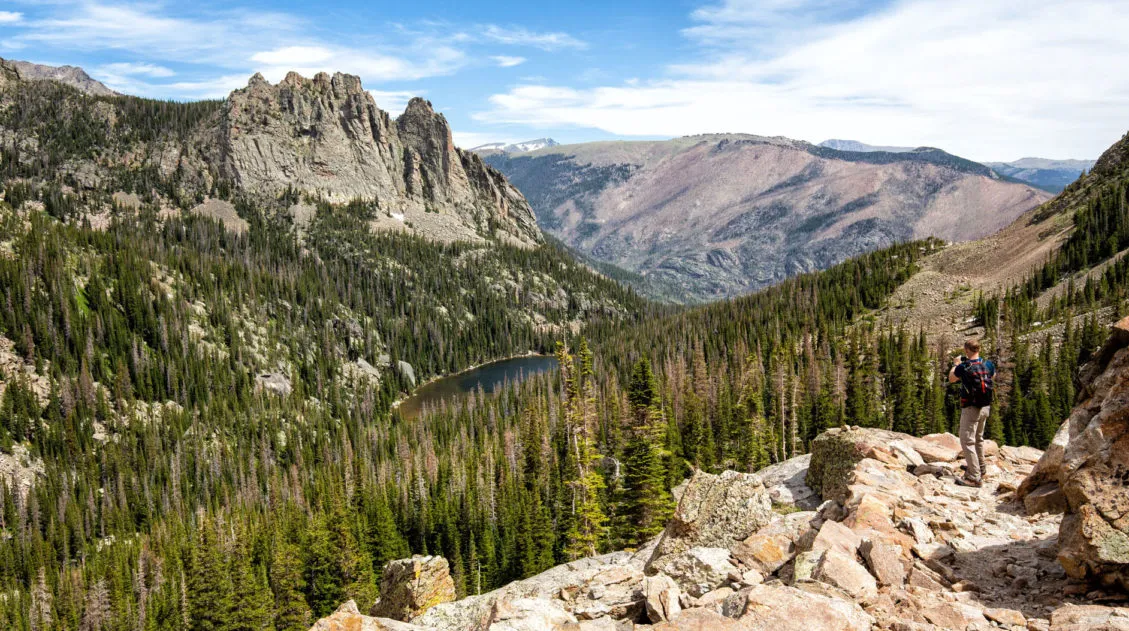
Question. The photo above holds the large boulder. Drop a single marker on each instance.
(409, 587)
(835, 453)
(715, 511)
(662, 596)
(770, 548)
(1090, 618)
(845, 572)
(348, 618)
(700, 570)
(786, 483)
(1088, 460)
(780, 608)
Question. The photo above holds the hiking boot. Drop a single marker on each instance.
(969, 482)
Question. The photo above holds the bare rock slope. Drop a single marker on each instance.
(326, 136)
(1085, 471)
(71, 75)
(896, 544)
(302, 140)
(722, 215)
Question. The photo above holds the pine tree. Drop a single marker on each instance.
(645, 502)
(291, 613)
(252, 604)
(209, 584)
(324, 590)
(586, 528)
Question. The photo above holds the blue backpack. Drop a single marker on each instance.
(976, 382)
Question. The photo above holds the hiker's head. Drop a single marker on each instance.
(972, 348)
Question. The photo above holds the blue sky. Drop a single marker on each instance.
(988, 79)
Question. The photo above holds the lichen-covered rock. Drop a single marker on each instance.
(835, 453)
(715, 511)
(700, 570)
(1088, 461)
(409, 587)
(348, 618)
(786, 484)
(768, 549)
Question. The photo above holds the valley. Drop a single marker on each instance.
(209, 311)
(719, 216)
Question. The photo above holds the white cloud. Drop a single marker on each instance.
(230, 44)
(137, 69)
(220, 39)
(11, 17)
(505, 61)
(293, 56)
(215, 88)
(393, 101)
(986, 80)
(519, 36)
(436, 60)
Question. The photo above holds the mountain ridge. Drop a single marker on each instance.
(322, 138)
(515, 147)
(724, 214)
(73, 76)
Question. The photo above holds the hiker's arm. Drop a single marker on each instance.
(953, 373)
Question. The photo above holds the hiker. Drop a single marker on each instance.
(975, 376)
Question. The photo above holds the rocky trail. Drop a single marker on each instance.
(869, 531)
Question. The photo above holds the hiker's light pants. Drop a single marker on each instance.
(972, 422)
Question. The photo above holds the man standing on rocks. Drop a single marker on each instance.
(975, 376)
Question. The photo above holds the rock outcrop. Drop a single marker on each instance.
(714, 511)
(348, 618)
(1085, 471)
(326, 136)
(409, 587)
(896, 544)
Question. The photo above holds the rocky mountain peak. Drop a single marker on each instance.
(70, 75)
(325, 136)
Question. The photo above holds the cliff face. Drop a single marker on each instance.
(325, 136)
(1085, 471)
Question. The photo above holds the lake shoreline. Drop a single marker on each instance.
(396, 404)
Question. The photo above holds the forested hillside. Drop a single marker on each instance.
(197, 429)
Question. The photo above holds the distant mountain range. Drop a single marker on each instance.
(1049, 175)
(722, 215)
(70, 75)
(515, 147)
(854, 145)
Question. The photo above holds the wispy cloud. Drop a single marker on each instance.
(505, 61)
(987, 80)
(222, 48)
(437, 60)
(394, 101)
(519, 36)
(11, 17)
(137, 69)
(220, 39)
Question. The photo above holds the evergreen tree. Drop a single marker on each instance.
(209, 585)
(645, 502)
(291, 613)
